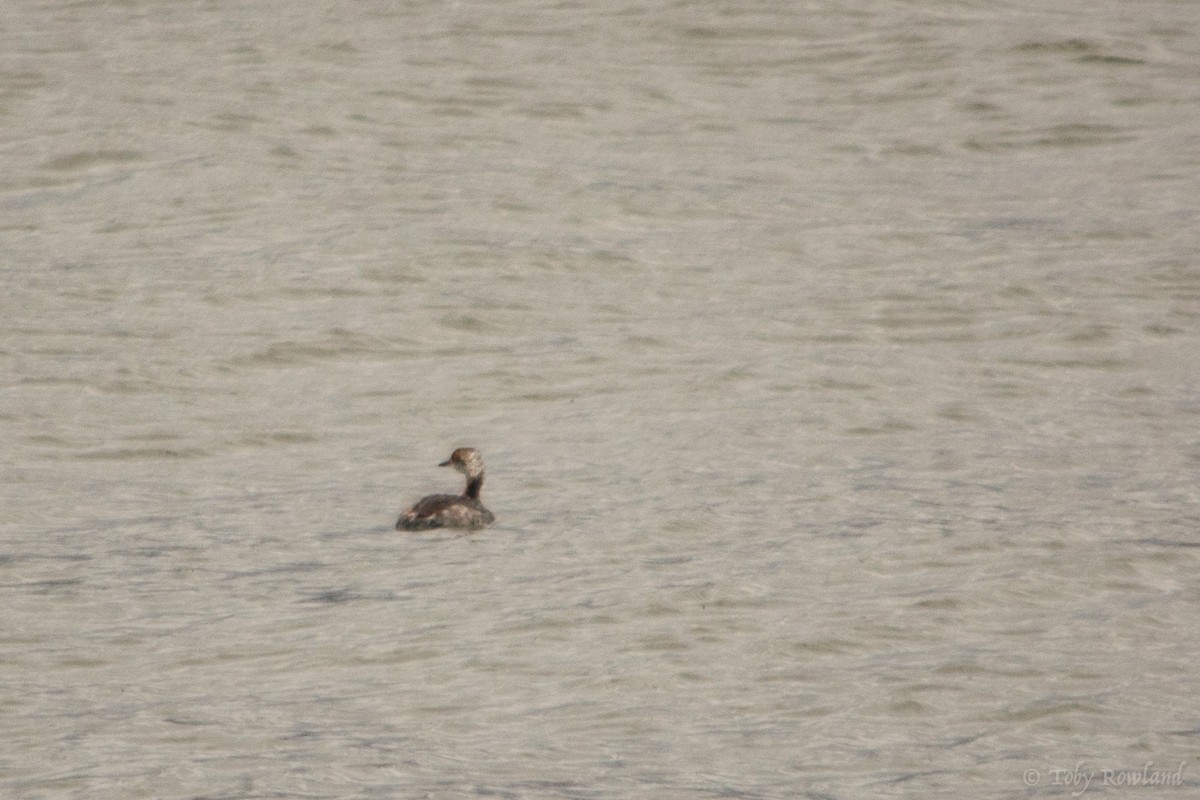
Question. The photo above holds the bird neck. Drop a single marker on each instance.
(474, 484)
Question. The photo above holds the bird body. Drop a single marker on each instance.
(452, 510)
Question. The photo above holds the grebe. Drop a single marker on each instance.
(452, 510)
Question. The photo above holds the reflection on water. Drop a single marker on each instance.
(836, 369)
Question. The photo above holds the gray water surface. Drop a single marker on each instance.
(837, 367)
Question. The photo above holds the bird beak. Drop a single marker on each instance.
(445, 463)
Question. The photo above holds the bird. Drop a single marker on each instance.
(452, 510)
